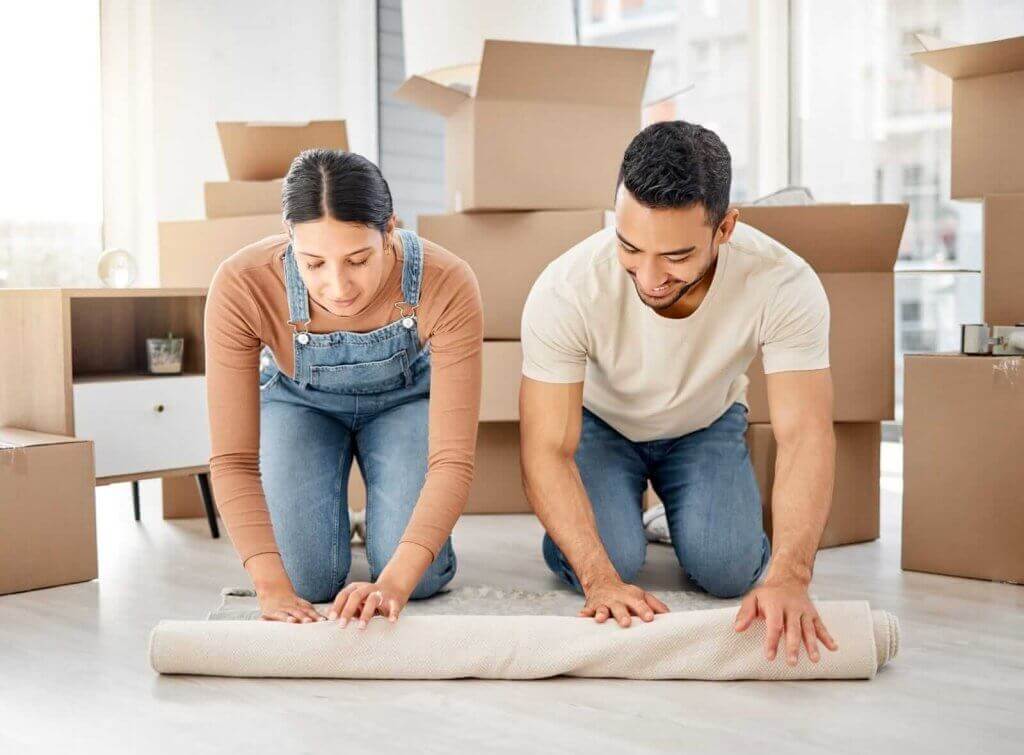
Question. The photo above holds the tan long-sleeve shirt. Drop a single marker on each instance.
(247, 306)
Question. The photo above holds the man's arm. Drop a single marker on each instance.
(800, 409)
(550, 421)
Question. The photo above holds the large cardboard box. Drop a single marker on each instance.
(545, 128)
(1003, 297)
(502, 373)
(191, 250)
(507, 251)
(258, 156)
(853, 248)
(854, 517)
(988, 110)
(963, 431)
(47, 511)
(497, 484)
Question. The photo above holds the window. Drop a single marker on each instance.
(51, 203)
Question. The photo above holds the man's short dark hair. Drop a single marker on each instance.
(678, 164)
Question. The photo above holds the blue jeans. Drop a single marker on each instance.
(712, 502)
(308, 439)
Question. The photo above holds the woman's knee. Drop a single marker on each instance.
(318, 581)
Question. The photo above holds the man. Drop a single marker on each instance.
(636, 342)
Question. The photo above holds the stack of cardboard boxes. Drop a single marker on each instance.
(853, 249)
(963, 416)
(531, 160)
(245, 208)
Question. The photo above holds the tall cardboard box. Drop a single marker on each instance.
(988, 110)
(1003, 298)
(854, 516)
(192, 250)
(47, 511)
(257, 156)
(545, 128)
(500, 378)
(963, 431)
(507, 251)
(853, 248)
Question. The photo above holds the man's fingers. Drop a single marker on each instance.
(655, 603)
(601, 614)
(588, 611)
(641, 609)
(773, 621)
(747, 612)
(823, 634)
(810, 640)
(793, 631)
(621, 614)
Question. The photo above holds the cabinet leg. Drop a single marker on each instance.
(203, 481)
(135, 499)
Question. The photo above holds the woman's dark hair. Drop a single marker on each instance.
(330, 183)
(678, 164)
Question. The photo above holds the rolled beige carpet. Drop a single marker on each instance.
(679, 645)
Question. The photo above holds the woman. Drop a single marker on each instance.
(373, 341)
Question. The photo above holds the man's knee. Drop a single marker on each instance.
(726, 574)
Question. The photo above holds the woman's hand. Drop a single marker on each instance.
(282, 604)
(366, 600)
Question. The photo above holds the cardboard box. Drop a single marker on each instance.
(255, 151)
(854, 517)
(47, 511)
(545, 129)
(258, 156)
(507, 251)
(497, 484)
(963, 431)
(853, 248)
(191, 250)
(229, 199)
(988, 109)
(1003, 297)
(502, 373)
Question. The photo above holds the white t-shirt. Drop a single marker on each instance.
(651, 377)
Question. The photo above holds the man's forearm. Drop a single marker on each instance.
(801, 501)
(556, 493)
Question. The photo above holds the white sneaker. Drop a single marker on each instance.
(656, 525)
(357, 524)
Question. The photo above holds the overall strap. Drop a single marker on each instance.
(412, 268)
(298, 297)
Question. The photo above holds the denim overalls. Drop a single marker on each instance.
(362, 395)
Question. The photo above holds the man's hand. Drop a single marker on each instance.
(620, 600)
(786, 608)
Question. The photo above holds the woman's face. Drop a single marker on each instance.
(343, 264)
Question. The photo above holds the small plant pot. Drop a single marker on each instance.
(165, 356)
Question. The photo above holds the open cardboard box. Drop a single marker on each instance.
(507, 251)
(988, 110)
(545, 129)
(854, 516)
(258, 156)
(963, 497)
(192, 250)
(853, 248)
(47, 511)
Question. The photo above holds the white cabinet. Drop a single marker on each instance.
(143, 424)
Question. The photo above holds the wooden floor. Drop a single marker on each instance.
(74, 675)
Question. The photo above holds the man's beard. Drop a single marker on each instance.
(669, 303)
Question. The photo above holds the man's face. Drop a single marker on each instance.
(667, 252)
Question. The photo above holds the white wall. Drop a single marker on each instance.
(226, 60)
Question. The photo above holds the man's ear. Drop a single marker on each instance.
(727, 226)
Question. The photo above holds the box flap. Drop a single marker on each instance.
(835, 238)
(261, 151)
(18, 438)
(983, 59)
(430, 95)
(568, 74)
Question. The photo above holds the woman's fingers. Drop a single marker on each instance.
(355, 599)
(339, 603)
(370, 606)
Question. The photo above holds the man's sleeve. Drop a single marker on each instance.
(795, 328)
(553, 336)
